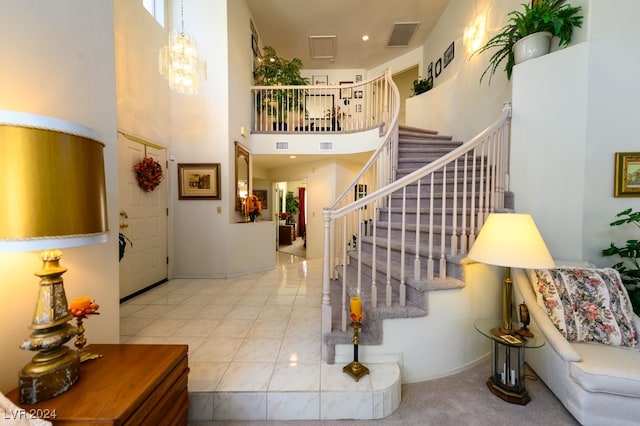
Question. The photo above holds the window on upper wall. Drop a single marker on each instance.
(156, 9)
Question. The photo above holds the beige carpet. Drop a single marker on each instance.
(462, 399)
(296, 249)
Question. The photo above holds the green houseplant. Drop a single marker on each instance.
(276, 71)
(291, 206)
(553, 16)
(422, 85)
(629, 267)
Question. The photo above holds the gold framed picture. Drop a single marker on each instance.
(627, 175)
(199, 181)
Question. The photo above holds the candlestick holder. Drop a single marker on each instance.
(355, 369)
(81, 341)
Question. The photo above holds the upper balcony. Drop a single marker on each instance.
(324, 118)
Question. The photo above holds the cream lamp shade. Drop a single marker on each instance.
(510, 239)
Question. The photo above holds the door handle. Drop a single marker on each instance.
(123, 225)
(123, 214)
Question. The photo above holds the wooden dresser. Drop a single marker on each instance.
(287, 234)
(129, 385)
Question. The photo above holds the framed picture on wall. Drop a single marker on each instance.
(320, 79)
(448, 55)
(263, 197)
(199, 181)
(346, 93)
(627, 174)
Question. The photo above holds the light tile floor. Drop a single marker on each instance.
(255, 346)
(240, 331)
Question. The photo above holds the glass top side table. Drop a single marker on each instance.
(507, 360)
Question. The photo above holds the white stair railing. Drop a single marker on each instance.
(461, 189)
(303, 109)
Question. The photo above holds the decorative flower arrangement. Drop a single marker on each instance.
(148, 174)
(254, 207)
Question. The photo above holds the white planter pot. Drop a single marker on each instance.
(531, 46)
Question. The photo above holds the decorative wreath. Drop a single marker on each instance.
(148, 174)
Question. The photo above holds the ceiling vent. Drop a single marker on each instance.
(322, 46)
(402, 33)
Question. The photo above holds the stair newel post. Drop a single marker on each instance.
(344, 277)
(326, 283)
(355, 369)
(402, 290)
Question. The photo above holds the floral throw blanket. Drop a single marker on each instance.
(586, 304)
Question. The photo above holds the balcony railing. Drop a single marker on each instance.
(322, 108)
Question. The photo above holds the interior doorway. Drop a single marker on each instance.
(404, 81)
(291, 202)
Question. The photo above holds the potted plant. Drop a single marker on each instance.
(291, 206)
(537, 23)
(277, 71)
(629, 267)
(422, 85)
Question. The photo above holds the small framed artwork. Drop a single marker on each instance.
(357, 94)
(358, 78)
(320, 79)
(430, 70)
(346, 93)
(627, 174)
(448, 55)
(359, 108)
(254, 45)
(438, 67)
(199, 181)
(360, 191)
(263, 197)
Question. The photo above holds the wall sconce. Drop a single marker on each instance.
(474, 34)
(52, 196)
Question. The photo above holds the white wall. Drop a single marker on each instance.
(58, 60)
(566, 130)
(143, 95)
(203, 130)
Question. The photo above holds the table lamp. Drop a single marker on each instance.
(52, 196)
(510, 240)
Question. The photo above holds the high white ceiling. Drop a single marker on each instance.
(286, 25)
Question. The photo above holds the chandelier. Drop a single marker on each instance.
(180, 63)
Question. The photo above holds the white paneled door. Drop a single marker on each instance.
(143, 219)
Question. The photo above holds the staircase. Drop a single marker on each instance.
(410, 236)
(416, 147)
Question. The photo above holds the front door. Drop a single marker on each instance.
(143, 219)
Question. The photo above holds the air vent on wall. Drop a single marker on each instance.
(326, 146)
(402, 33)
(282, 146)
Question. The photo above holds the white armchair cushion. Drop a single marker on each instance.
(586, 304)
(608, 369)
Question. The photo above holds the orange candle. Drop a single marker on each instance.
(356, 309)
(81, 303)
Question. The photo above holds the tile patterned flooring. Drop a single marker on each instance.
(254, 347)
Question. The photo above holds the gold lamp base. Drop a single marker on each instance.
(49, 374)
(55, 368)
